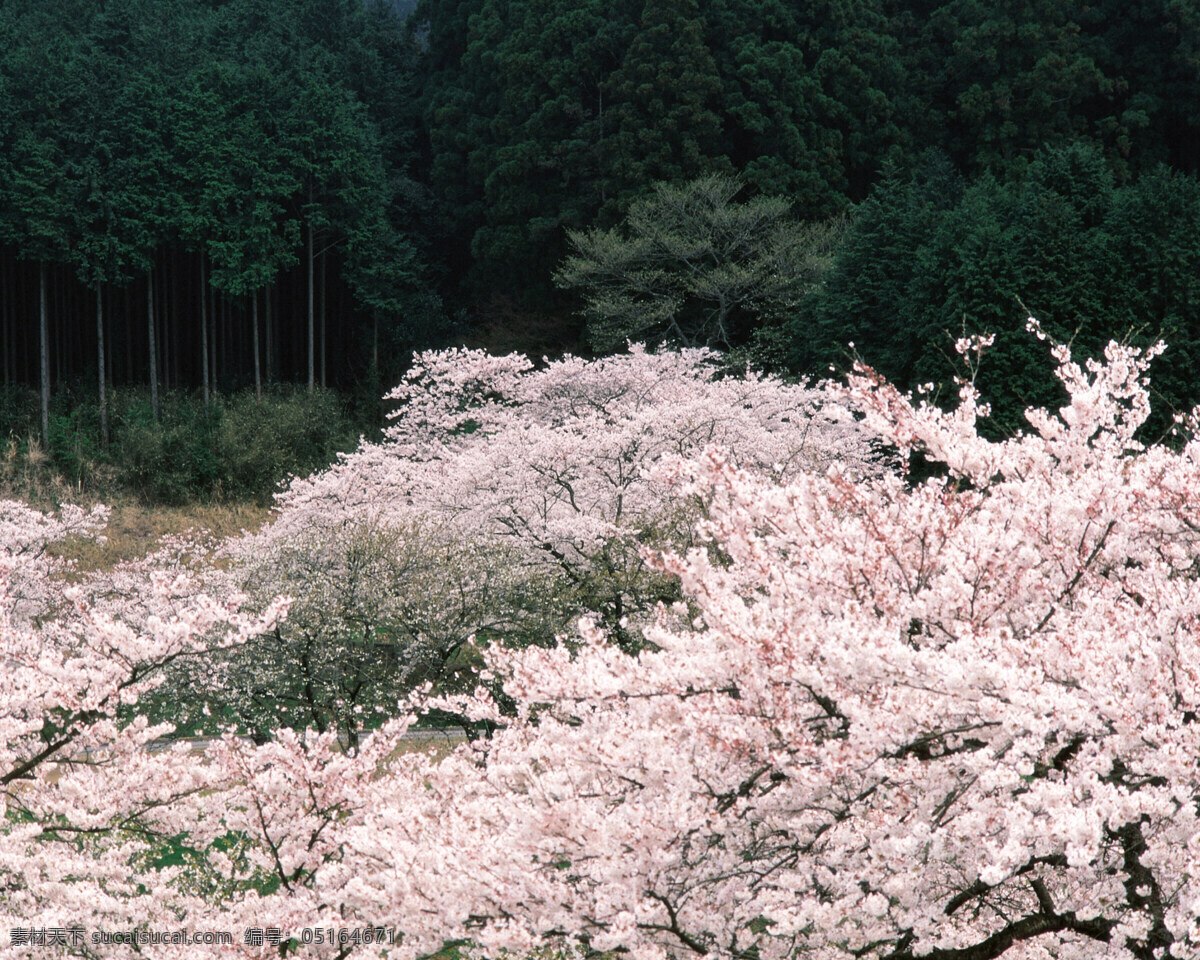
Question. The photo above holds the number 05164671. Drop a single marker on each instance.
(341, 935)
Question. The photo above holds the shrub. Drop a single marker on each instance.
(233, 449)
(290, 432)
(169, 460)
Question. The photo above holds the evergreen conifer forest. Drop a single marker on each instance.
(210, 196)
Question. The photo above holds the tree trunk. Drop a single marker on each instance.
(127, 328)
(108, 354)
(100, 364)
(254, 325)
(203, 334)
(270, 345)
(217, 318)
(56, 369)
(164, 312)
(311, 377)
(44, 328)
(6, 348)
(324, 304)
(228, 350)
(212, 333)
(153, 343)
(178, 324)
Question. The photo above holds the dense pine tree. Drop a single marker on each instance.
(926, 261)
(214, 193)
(186, 152)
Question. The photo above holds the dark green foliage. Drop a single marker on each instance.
(550, 117)
(515, 109)
(138, 133)
(235, 449)
(693, 265)
(74, 442)
(244, 141)
(925, 262)
(18, 414)
(1155, 227)
(547, 117)
(256, 444)
(868, 296)
(168, 459)
(812, 96)
(663, 120)
(238, 449)
(1003, 79)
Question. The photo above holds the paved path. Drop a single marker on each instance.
(448, 735)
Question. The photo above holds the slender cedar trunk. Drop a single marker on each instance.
(6, 348)
(324, 303)
(100, 364)
(218, 315)
(212, 335)
(56, 306)
(153, 343)
(270, 345)
(108, 354)
(28, 369)
(11, 309)
(203, 334)
(19, 332)
(44, 330)
(170, 308)
(60, 308)
(311, 377)
(218, 305)
(80, 303)
(375, 342)
(254, 347)
(127, 326)
(164, 311)
(10, 339)
(177, 327)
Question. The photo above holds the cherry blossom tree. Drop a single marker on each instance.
(88, 809)
(886, 718)
(501, 501)
(377, 608)
(557, 462)
(34, 578)
(954, 718)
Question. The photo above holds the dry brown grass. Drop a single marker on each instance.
(134, 529)
(27, 473)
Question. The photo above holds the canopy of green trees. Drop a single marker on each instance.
(211, 194)
(929, 256)
(199, 185)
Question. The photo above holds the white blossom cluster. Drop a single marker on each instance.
(955, 718)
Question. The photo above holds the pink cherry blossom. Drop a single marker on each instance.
(886, 718)
(954, 718)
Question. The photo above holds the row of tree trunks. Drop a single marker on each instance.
(236, 336)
